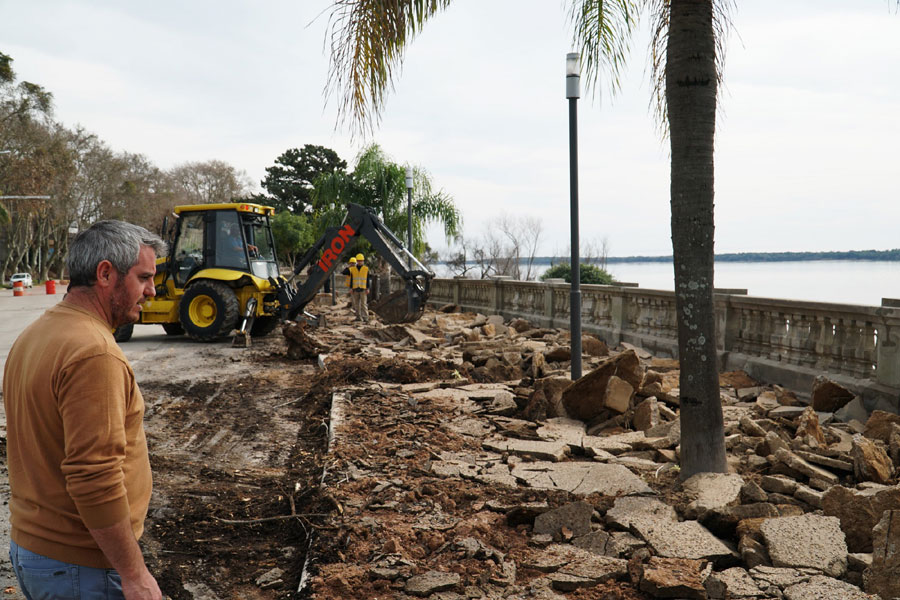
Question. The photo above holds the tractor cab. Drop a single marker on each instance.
(236, 237)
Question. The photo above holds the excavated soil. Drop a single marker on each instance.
(245, 488)
(237, 458)
(239, 445)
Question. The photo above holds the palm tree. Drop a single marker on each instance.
(368, 38)
(380, 183)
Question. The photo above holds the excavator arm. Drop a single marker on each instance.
(321, 260)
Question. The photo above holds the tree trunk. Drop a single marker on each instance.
(691, 99)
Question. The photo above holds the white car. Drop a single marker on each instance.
(25, 278)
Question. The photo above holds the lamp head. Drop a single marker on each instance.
(573, 75)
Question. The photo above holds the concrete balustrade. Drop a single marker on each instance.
(785, 342)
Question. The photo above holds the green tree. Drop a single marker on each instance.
(293, 234)
(590, 274)
(380, 183)
(367, 44)
(22, 106)
(289, 182)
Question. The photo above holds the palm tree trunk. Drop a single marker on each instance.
(691, 84)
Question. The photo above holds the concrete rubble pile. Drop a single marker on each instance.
(582, 478)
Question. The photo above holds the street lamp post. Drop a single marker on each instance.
(573, 92)
(409, 188)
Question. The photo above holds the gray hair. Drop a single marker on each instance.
(116, 241)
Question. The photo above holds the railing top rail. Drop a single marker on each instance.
(876, 313)
(872, 313)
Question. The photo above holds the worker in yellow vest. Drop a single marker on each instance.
(350, 263)
(359, 288)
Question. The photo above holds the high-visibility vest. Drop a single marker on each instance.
(358, 277)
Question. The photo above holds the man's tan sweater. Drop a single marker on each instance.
(76, 449)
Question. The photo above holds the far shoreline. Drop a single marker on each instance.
(848, 255)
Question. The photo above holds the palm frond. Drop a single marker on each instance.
(602, 34)
(368, 38)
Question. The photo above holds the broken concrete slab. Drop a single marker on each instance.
(808, 429)
(684, 539)
(834, 464)
(624, 510)
(734, 583)
(711, 491)
(870, 461)
(809, 541)
(584, 398)
(646, 414)
(859, 511)
(782, 577)
(588, 572)
(878, 427)
(614, 444)
(796, 463)
(673, 578)
(853, 410)
(566, 522)
(828, 395)
(572, 568)
(496, 474)
(581, 478)
(430, 583)
(786, 412)
(883, 577)
(597, 542)
(820, 587)
(552, 451)
(570, 431)
(617, 395)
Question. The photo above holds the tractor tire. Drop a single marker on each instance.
(208, 311)
(173, 328)
(123, 332)
(263, 326)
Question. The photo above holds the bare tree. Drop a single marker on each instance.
(508, 247)
(210, 182)
(596, 251)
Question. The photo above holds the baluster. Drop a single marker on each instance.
(822, 342)
(849, 343)
(809, 333)
(764, 332)
(870, 351)
(788, 341)
(777, 326)
(744, 342)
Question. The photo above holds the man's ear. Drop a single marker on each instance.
(105, 272)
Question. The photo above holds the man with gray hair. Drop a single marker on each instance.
(79, 469)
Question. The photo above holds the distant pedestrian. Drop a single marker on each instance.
(79, 469)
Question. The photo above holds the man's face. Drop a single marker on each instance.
(132, 288)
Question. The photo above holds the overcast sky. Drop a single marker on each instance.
(806, 144)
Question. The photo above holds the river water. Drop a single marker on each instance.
(841, 281)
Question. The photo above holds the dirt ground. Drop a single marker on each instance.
(239, 441)
(237, 445)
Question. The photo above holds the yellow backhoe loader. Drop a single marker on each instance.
(222, 274)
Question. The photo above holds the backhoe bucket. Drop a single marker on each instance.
(402, 306)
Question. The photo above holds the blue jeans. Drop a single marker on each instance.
(43, 578)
